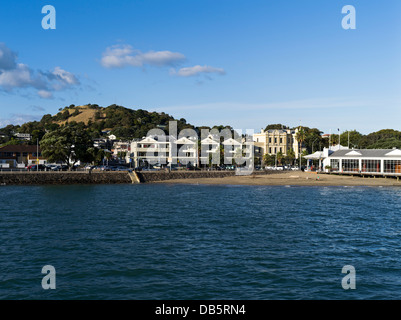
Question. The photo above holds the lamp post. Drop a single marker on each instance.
(314, 143)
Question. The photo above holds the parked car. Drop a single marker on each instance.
(61, 167)
(120, 168)
(35, 167)
(105, 168)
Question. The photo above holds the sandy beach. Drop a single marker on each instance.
(292, 178)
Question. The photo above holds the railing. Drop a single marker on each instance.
(151, 150)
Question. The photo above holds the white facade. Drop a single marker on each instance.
(164, 150)
(370, 161)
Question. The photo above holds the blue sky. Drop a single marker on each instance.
(242, 63)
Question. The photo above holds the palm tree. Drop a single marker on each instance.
(280, 157)
(300, 136)
(268, 159)
(291, 155)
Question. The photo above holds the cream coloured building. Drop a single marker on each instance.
(276, 140)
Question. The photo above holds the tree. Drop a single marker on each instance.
(68, 144)
(121, 154)
(382, 139)
(269, 160)
(239, 156)
(313, 139)
(290, 156)
(277, 126)
(300, 136)
(354, 138)
(279, 157)
(75, 113)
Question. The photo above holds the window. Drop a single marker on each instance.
(275, 140)
(270, 150)
(270, 140)
(392, 166)
(334, 164)
(350, 165)
(371, 166)
(281, 140)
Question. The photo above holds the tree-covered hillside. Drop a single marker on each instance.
(124, 123)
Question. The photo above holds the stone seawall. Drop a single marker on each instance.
(163, 175)
(35, 178)
(41, 178)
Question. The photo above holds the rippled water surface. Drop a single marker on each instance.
(199, 242)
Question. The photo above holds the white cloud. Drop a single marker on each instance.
(15, 75)
(19, 77)
(197, 70)
(59, 79)
(45, 94)
(119, 56)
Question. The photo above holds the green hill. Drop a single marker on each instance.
(123, 122)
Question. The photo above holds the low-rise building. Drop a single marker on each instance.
(378, 161)
(13, 156)
(23, 136)
(185, 150)
(362, 161)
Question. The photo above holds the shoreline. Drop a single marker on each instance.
(286, 178)
(297, 178)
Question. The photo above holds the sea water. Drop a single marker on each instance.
(166, 241)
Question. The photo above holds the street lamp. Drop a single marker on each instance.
(314, 143)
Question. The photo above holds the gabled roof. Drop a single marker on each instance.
(353, 153)
(367, 153)
(394, 152)
(184, 140)
(148, 140)
(231, 141)
(209, 140)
